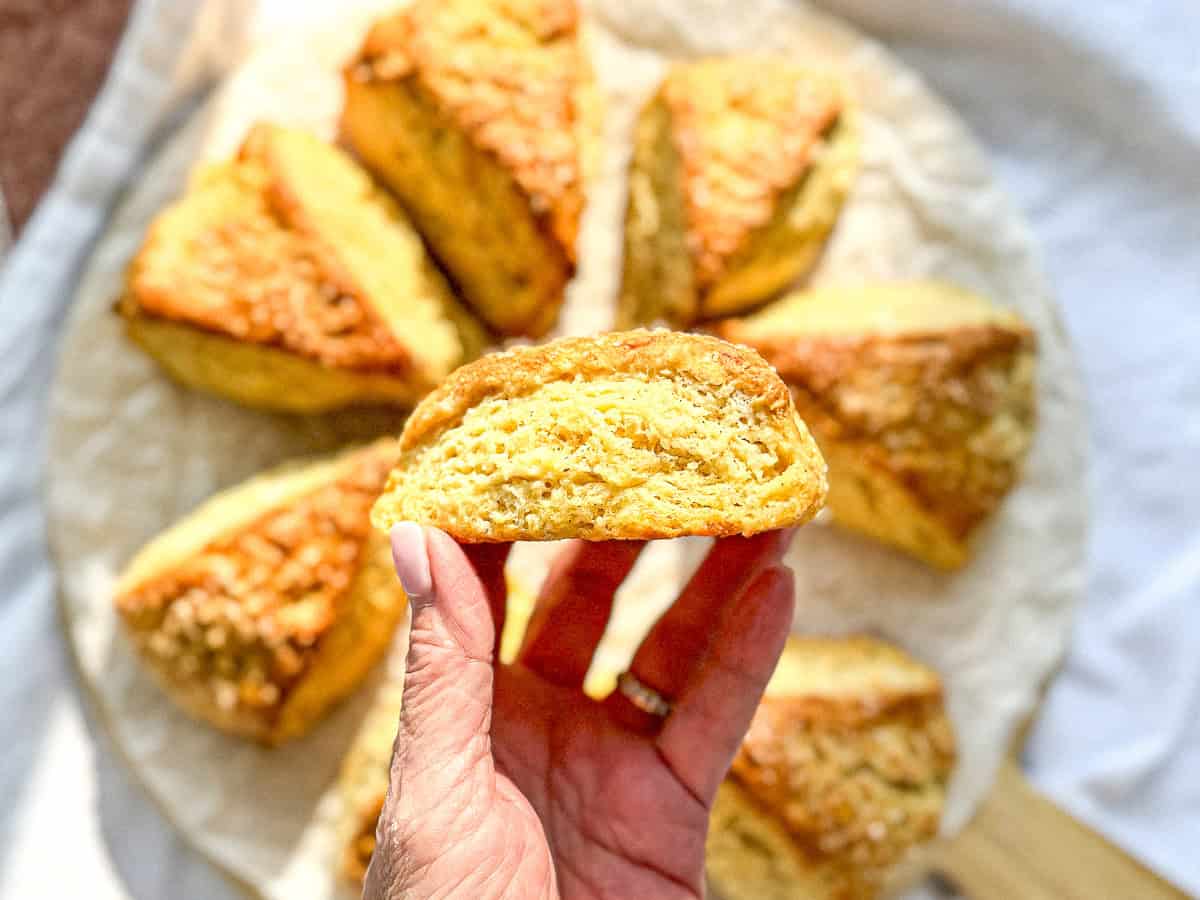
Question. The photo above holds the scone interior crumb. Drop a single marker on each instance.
(624, 454)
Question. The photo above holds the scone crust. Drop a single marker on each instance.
(641, 351)
(286, 278)
(792, 493)
(258, 629)
(746, 130)
(859, 778)
(948, 413)
(477, 60)
(260, 271)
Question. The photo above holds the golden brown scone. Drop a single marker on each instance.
(634, 435)
(842, 774)
(921, 397)
(272, 600)
(740, 167)
(476, 113)
(286, 279)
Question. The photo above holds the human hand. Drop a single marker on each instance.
(507, 781)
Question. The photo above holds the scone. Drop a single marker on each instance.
(272, 600)
(739, 170)
(921, 397)
(476, 114)
(634, 435)
(842, 774)
(286, 279)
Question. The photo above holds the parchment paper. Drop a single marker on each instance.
(131, 452)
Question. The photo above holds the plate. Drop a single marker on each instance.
(131, 452)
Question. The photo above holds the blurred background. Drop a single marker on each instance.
(1091, 116)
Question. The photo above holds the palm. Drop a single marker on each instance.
(507, 781)
(617, 820)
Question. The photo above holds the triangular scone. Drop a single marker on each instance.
(630, 435)
(272, 600)
(286, 279)
(921, 397)
(476, 114)
(739, 170)
(842, 774)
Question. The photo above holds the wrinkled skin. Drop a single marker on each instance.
(507, 781)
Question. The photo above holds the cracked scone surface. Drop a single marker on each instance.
(921, 396)
(477, 113)
(740, 167)
(632, 435)
(285, 278)
(271, 601)
(842, 774)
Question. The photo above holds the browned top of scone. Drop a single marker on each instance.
(242, 618)
(237, 256)
(508, 74)
(948, 413)
(746, 130)
(669, 354)
(856, 778)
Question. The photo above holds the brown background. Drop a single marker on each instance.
(53, 58)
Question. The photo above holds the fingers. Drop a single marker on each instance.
(488, 561)
(713, 711)
(679, 639)
(573, 608)
(448, 681)
(441, 760)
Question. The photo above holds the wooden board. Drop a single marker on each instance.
(1020, 846)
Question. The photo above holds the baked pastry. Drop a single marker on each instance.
(740, 167)
(921, 397)
(272, 600)
(476, 113)
(635, 435)
(285, 279)
(842, 773)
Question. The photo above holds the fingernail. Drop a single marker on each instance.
(411, 557)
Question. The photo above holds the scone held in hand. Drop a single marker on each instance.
(271, 601)
(921, 396)
(633, 435)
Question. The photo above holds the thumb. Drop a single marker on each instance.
(447, 707)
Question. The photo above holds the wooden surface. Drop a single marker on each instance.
(1021, 846)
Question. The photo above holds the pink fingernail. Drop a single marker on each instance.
(411, 557)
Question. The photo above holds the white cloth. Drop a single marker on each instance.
(1093, 117)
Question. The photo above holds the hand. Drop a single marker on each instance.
(507, 781)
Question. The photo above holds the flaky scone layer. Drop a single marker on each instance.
(632, 435)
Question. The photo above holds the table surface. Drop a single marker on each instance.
(1091, 113)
